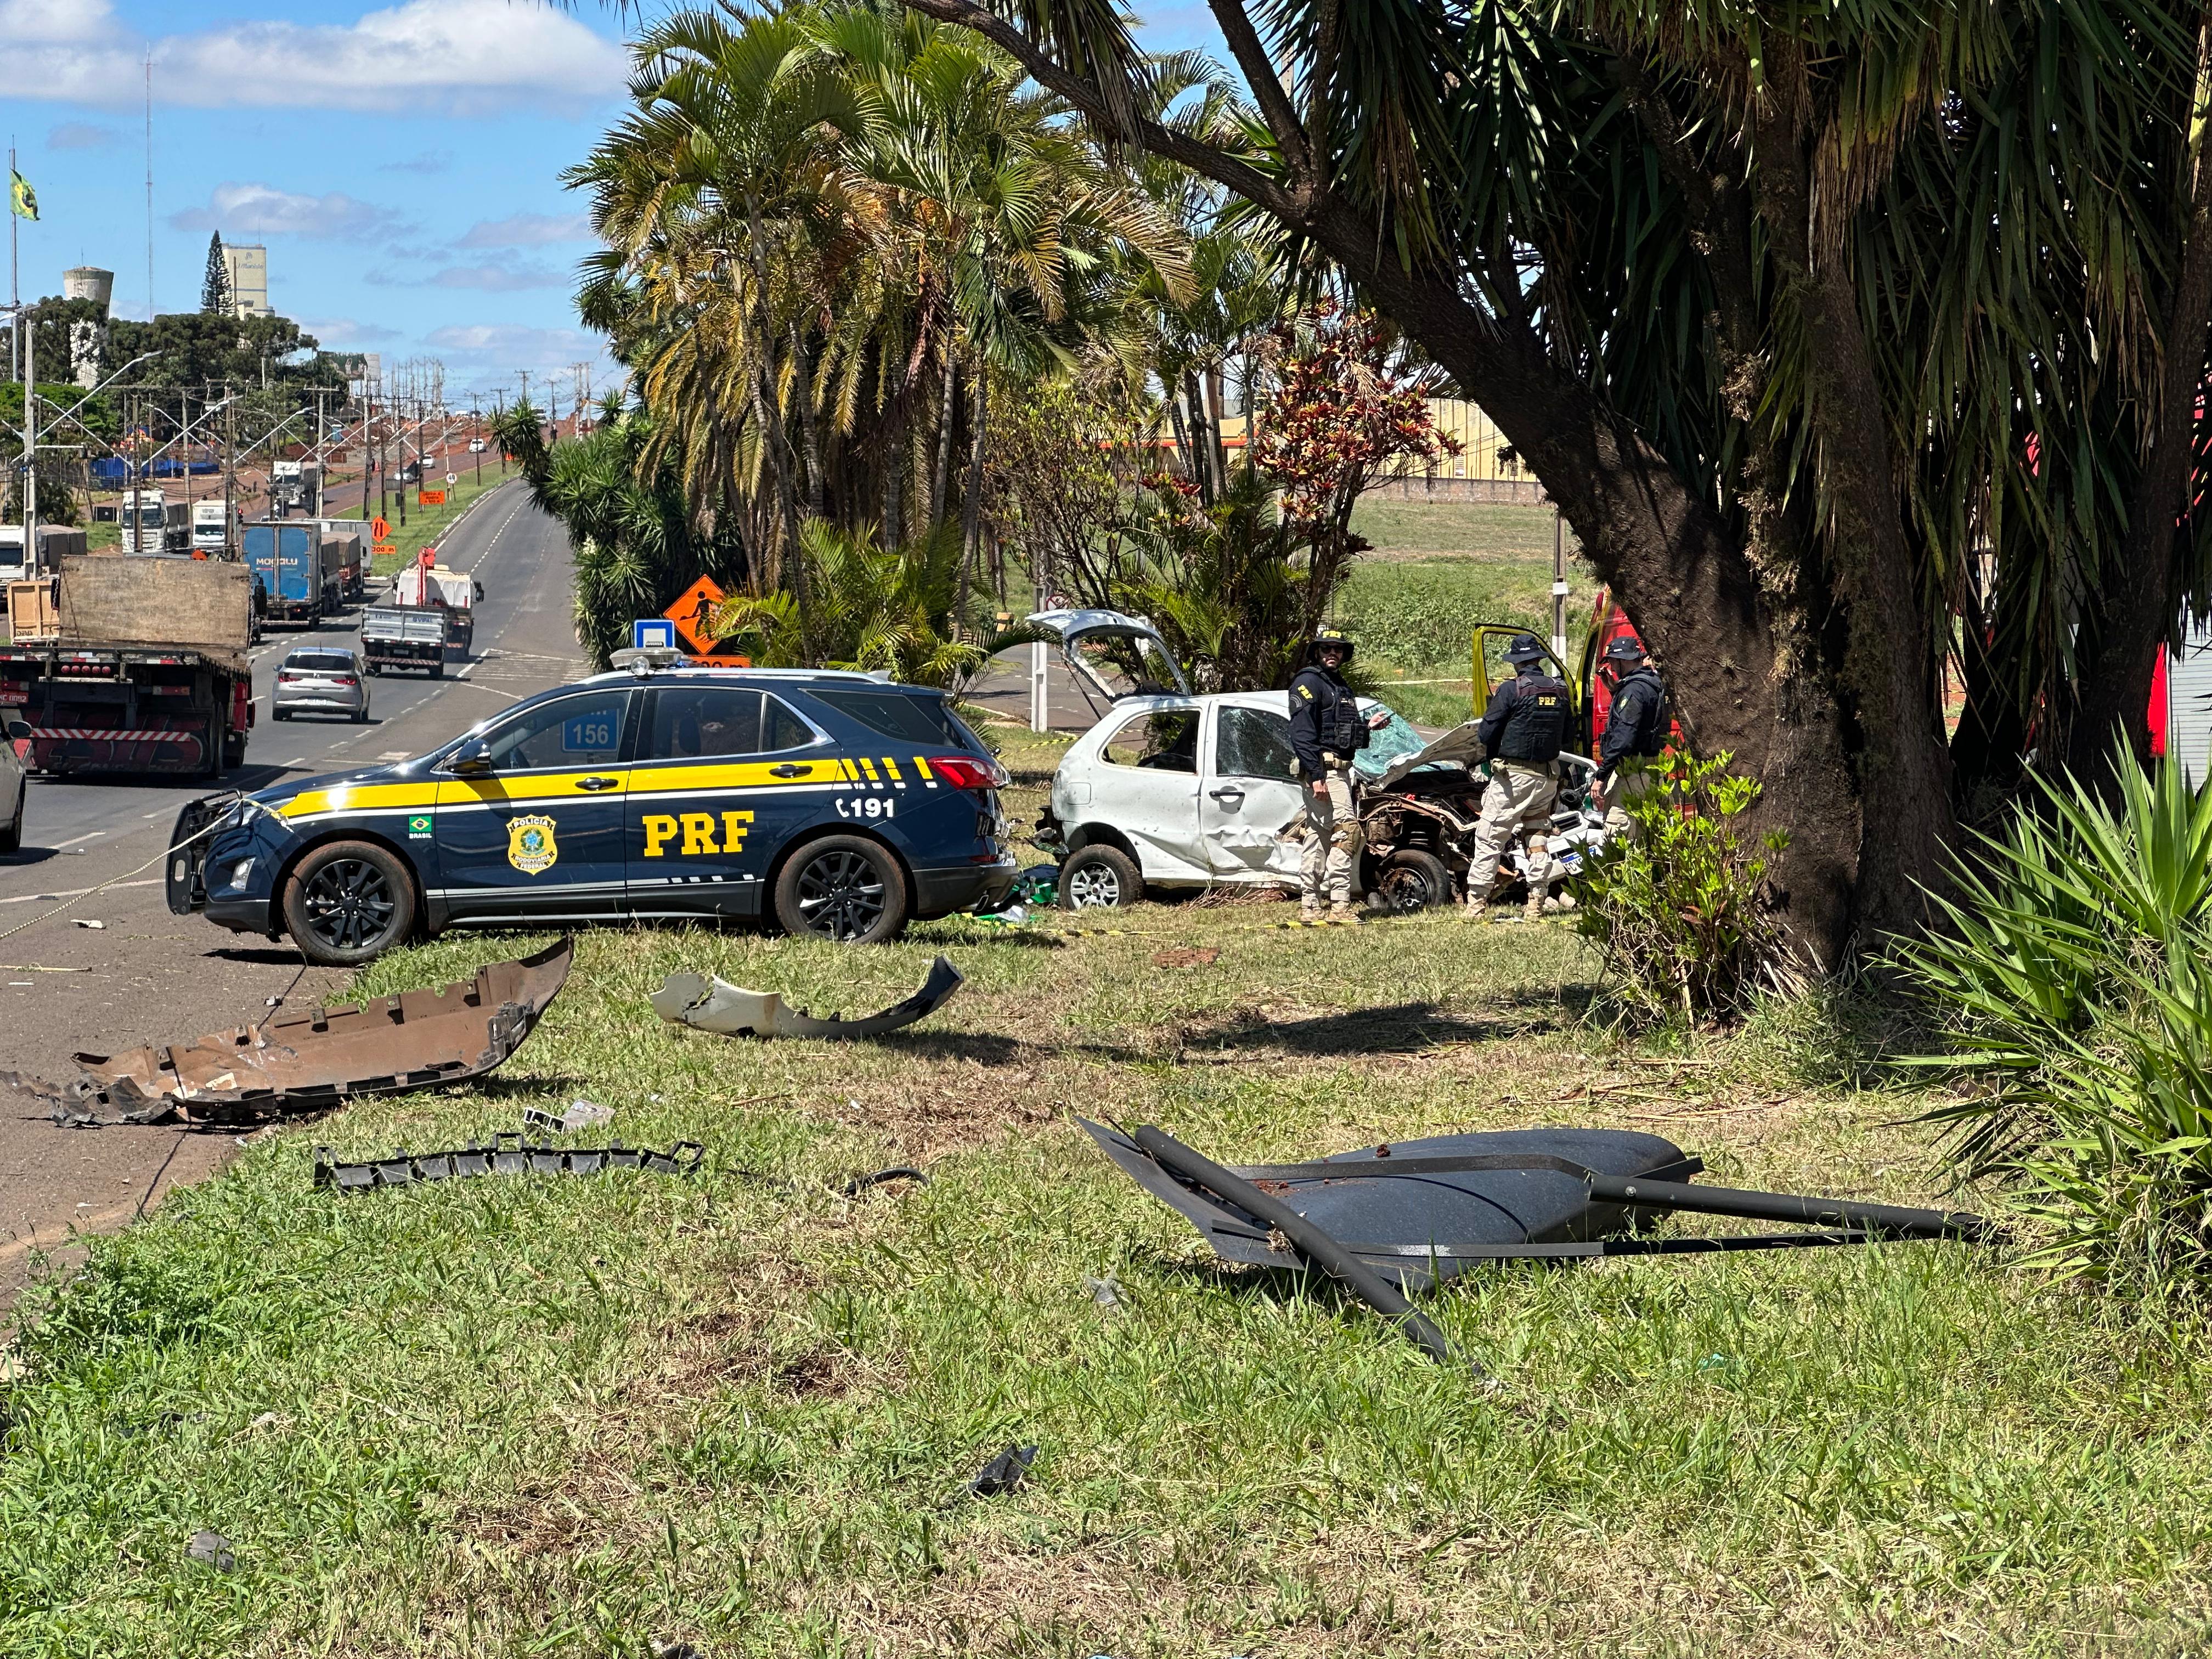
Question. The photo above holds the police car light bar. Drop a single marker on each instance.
(644, 659)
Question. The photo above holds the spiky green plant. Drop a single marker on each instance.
(2071, 976)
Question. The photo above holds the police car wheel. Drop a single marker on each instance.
(842, 888)
(349, 902)
(1412, 879)
(1100, 878)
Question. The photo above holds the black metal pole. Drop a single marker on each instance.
(1313, 1243)
(1893, 1220)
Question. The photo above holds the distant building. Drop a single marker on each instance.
(247, 263)
(87, 336)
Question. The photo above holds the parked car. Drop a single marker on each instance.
(321, 680)
(1174, 789)
(475, 446)
(835, 805)
(15, 785)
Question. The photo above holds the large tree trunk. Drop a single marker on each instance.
(2139, 613)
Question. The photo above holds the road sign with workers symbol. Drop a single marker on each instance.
(693, 614)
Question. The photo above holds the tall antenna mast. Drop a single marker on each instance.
(150, 187)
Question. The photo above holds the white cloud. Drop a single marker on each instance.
(441, 57)
(81, 135)
(495, 349)
(344, 333)
(528, 230)
(498, 279)
(263, 210)
(430, 162)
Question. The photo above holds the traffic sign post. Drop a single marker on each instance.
(653, 632)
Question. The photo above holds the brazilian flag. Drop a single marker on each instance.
(21, 197)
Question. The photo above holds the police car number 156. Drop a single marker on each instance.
(867, 807)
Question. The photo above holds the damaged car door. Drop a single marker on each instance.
(1251, 794)
(1147, 787)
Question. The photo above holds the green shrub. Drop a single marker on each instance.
(1426, 619)
(1680, 914)
(2071, 974)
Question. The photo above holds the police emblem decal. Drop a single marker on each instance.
(530, 845)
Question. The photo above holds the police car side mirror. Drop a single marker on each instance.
(472, 760)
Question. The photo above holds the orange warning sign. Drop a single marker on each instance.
(430, 498)
(692, 612)
(379, 529)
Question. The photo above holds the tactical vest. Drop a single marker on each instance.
(1536, 725)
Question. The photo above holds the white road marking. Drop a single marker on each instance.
(94, 836)
(79, 892)
(395, 755)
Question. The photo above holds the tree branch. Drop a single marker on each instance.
(1275, 107)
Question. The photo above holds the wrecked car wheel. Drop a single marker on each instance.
(1410, 879)
(842, 888)
(1099, 878)
(349, 902)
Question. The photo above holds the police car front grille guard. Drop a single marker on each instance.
(505, 1153)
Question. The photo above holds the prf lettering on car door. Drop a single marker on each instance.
(697, 830)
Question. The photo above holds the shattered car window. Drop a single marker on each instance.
(1160, 742)
(1390, 742)
(1255, 744)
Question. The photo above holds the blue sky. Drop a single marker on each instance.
(401, 162)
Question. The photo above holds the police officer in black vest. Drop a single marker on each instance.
(1327, 730)
(1636, 728)
(1521, 731)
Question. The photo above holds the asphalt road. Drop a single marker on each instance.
(147, 976)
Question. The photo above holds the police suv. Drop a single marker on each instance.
(835, 803)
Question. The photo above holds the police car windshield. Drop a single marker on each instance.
(911, 716)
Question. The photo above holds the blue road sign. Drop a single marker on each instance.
(648, 632)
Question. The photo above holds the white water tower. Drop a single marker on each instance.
(89, 283)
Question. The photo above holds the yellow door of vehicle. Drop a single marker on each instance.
(1492, 669)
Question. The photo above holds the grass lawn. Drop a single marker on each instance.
(575, 1416)
(425, 523)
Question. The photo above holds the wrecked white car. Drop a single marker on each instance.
(1175, 789)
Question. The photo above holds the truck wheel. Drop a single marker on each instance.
(376, 670)
(1100, 878)
(1413, 879)
(349, 902)
(437, 670)
(234, 750)
(11, 838)
(843, 888)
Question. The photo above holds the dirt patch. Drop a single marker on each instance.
(1187, 956)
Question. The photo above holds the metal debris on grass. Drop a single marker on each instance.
(503, 1154)
(581, 1115)
(1004, 1471)
(861, 1183)
(712, 1004)
(314, 1058)
(211, 1549)
(1406, 1217)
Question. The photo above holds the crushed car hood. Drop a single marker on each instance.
(1461, 746)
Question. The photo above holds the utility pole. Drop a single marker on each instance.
(149, 189)
(15, 300)
(1558, 587)
(476, 436)
(229, 477)
(32, 561)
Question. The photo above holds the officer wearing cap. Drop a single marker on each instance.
(1635, 732)
(1521, 731)
(1327, 730)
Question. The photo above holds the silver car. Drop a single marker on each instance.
(321, 680)
(13, 791)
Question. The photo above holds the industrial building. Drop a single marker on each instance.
(247, 263)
